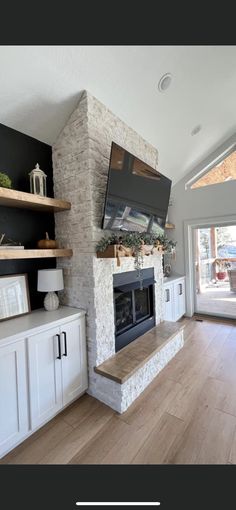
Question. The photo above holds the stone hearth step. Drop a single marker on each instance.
(127, 361)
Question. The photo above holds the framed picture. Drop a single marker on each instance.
(14, 296)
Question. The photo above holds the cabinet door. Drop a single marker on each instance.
(74, 365)
(179, 299)
(168, 302)
(44, 375)
(13, 395)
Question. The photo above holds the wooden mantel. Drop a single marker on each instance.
(115, 251)
(118, 250)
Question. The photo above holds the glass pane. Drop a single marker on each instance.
(44, 188)
(37, 185)
(123, 310)
(205, 254)
(226, 242)
(141, 303)
(224, 171)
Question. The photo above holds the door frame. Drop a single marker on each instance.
(189, 226)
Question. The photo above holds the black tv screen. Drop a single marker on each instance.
(137, 195)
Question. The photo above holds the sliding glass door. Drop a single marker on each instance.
(215, 270)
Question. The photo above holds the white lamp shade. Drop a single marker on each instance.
(50, 280)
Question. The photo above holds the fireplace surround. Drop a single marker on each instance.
(133, 305)
(80, 166)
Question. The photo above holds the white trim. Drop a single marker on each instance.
(189, 225)
(214, 159)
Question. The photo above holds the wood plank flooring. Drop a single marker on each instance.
(217, 301)
(186, 416)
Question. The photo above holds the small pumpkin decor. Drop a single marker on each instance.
(47, 244)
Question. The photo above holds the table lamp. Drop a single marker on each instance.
(50, 280)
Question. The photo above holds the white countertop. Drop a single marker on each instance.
(172, 278)
(36, 320)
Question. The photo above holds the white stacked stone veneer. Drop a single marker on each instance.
(80, 165)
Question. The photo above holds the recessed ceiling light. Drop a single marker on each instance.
(164, 82)
(196, 130)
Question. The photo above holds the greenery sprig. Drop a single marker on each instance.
(135, 240)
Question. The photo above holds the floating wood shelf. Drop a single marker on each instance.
(169, 225)
(34, 254)
(20, 199)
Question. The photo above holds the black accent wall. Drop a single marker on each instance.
(19, 154)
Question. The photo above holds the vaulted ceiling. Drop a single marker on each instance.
(40, 86)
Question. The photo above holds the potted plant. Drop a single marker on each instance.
(5, 181)
(222, 266)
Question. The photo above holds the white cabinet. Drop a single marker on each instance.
(44, 376)
(57, 369)
(42, 369)
(14, 423)
(174, 298)
(74, 366)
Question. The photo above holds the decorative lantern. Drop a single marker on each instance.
(38, 181)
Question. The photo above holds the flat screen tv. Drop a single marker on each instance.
(137, 195)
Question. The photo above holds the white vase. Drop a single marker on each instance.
(51, 301)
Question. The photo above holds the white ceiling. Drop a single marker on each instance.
(39, 88)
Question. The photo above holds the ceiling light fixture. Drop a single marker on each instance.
(164, 82)
(196, 130)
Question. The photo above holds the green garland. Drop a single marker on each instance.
(135, 240)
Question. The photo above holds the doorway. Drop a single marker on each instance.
(215, 270)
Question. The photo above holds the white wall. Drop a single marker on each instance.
(207, 202)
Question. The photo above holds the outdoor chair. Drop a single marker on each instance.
(232, 279)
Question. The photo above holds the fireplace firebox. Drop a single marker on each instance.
(134, 306)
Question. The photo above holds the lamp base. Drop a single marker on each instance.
(51, 301)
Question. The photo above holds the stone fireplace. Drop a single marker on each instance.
(106, 274)
(80, 161)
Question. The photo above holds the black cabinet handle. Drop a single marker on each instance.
(59, 346)
(180, 289)
(167, 295)
(65, 343)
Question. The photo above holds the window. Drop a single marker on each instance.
(222, 172)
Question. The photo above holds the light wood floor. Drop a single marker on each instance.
(220, 301)
(186, 416)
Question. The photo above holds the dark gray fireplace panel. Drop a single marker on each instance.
(134, 306)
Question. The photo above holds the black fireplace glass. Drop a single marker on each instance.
(142, 308)
(133, 306)
(124, 310)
